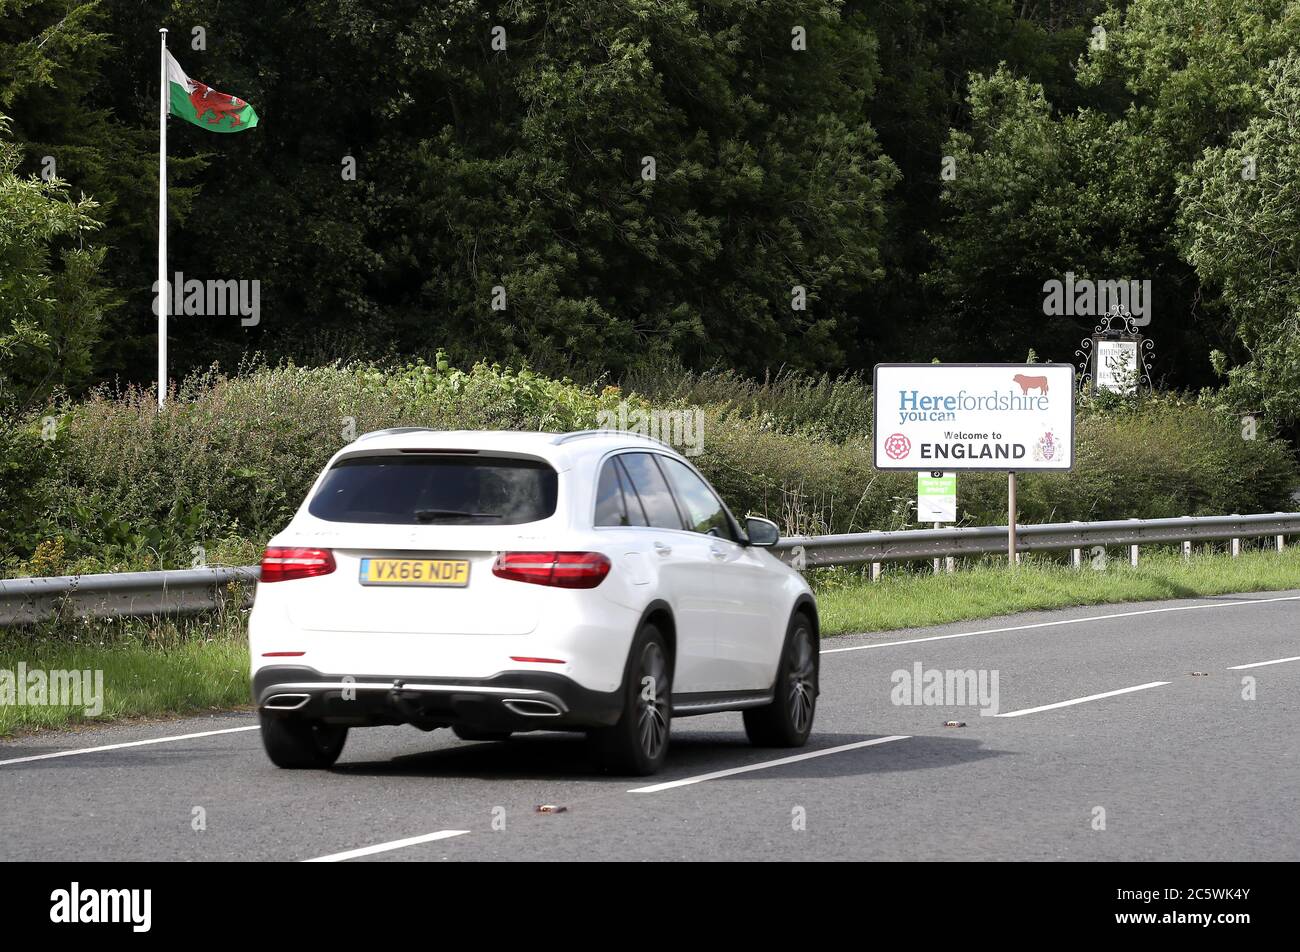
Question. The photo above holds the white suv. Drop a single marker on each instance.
(495, 582)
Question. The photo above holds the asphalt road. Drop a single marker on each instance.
(1183, 765)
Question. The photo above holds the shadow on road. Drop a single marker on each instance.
(566, 756)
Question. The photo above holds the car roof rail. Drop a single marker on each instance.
(395, 431)
(607, 431)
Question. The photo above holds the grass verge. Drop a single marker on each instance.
(901, 600)
(148, 669)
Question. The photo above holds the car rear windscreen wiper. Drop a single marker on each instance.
(429, 515)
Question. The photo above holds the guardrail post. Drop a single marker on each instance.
(1187, 549)
(875, 571)
(1133, 555)
(950, 564)
(1281, 543)
(1076, 558)
(1236, 548)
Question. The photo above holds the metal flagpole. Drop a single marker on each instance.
(164, 288)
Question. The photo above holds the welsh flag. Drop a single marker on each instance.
(203, 105)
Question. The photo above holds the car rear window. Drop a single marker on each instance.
(436, 490)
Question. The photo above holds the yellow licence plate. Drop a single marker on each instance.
(451, 573)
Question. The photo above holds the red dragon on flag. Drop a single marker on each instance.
(205, 99)
(204, 106)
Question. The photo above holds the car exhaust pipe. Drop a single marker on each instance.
(285, 702)
(526, 707)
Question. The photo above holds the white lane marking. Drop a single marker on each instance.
(1081, 700)
(1066, 621)
(385, 847)
(731, 771)
(134, 743)
(1260, 664)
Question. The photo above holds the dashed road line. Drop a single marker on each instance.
(732, 771)
(1260, 664)
(386, 847)
(133, 743)
(1081, 700)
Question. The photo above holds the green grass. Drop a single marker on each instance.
(849, 603)
(148, 670)
(201, 664)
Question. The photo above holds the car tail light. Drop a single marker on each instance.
(282, 563)
(560, 569)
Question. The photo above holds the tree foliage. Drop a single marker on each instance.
(51, 296)
(919, 168)
(1241, 221)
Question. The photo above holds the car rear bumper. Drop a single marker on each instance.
(511, 700)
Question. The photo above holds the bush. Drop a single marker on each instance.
(823, 407)
(25, 462)
(226, 464)
(1168, 456)
(231, 457)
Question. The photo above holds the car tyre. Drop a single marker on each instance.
(788, 720)
(638, 744)
(296, 743)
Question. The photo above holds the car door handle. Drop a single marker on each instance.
(663, 549)
(717, 552)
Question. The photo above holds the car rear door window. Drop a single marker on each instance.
(652, 490)
(611, 507)
(420, 489)
(703, 510)
(635, 511)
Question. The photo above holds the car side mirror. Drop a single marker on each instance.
(762, 532)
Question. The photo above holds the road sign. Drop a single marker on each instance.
(936, 497)
(954, 417)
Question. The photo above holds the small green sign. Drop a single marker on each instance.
(936, 497)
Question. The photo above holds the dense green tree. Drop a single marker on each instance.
(928, 49)
(525, 168)
(51, 296)
(1036, 195)
(1240, 214)
(502, 144)
(75, 117)
(1092, 188)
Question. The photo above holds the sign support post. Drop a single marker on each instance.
(1011, 518)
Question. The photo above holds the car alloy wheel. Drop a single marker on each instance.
(652, 701)
(801, 688)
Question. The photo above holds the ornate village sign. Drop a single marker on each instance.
(1116, 358)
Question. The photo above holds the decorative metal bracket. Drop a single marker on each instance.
(1126, 331)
